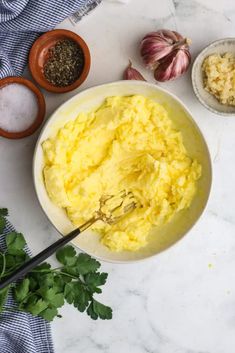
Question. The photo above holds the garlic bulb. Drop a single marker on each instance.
(132, 74)
(167, 53)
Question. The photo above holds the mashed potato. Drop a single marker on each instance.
(127, 143)
(219, 71)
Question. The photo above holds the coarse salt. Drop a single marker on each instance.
(18, 107)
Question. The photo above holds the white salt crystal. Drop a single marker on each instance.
(18, 107)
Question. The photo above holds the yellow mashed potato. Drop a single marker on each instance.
(127, 143)
(219, 72)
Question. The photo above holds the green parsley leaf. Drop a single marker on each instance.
(97, 310)
(2, 224)
(4, 212)
(14, 261)
(67, 255)
(50, 296)
(45, 267)
(65, 278)
(75, 293)
(3, 297)
(46, 280)
(35, 306)
(90, 311)
(44, 289)
(33, 284)
(94, 280)
(58, 300)
(43, 276)
(46, 293)
(21, 290)
(15, 243)
(69, 292)
(49, 314)
(85, 264)
(59, 284)
(81, 301)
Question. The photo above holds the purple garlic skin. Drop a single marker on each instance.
(132, 74)
(165, 48)
(173, 66)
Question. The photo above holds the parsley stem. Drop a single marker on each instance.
(40, 271)
(7, 273)
(46, 270)
(66, 274)
(3, 264)
(56, 269)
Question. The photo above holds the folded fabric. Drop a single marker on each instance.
(22, 21)
(121, 1)
(21, 332)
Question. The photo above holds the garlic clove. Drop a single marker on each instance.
(153, 48)
(132, 74)
(173, 66)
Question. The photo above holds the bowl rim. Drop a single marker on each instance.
(100, 258)
(193, 73)
(40, 102)
(33, 55)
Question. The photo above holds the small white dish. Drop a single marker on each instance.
(162, 237)
(220, 46)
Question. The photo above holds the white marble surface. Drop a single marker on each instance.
(176, 302)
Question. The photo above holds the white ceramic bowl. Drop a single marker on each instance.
(208, 100)
(161, 237)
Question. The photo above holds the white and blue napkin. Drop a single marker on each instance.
(22, 21)
(21, 332)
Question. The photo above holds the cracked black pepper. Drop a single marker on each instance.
(65, 63)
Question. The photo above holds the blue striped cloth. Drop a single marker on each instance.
(22, 332)
(22, 21)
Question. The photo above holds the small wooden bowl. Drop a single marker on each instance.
(41, 107)
(39, 54)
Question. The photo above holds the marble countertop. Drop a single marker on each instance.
(182, 301)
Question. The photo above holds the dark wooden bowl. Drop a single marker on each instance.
(41, 107)
(39, 54)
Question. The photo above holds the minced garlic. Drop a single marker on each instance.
(219, 77)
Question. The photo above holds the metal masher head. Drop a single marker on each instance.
(114, 207)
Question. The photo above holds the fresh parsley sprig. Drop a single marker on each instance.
(44, 290)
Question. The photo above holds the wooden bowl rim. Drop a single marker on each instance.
(41, 107)
(40, 44)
